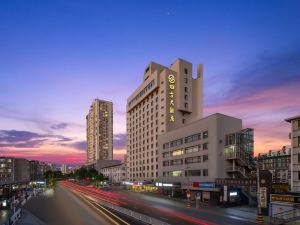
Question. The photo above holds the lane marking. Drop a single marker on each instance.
(108, 217)
(111, 213)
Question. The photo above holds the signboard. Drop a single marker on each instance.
(279, 188)
(236, 182)
(204, 184)
(285, 198)
(171, 79)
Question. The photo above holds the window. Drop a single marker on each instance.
(193, 173)
(205, 134)
(177, 152)
(165, 163)
(185, 80)
(186, 97)
(186, 105)
(191, 138)
(183, 121)
(185, 89)
(166, 155)
(190, 160)
(192, 149)
(176, 142)
(205, 146)
(205, 158)
(298, 123)
(298, 175)
(298, 140)
(186, 71)
(176, 173)
(205, 172)
(176, 162)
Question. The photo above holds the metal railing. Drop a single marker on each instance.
(138, 216)
(286, 216)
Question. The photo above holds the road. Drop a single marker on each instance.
(163, 209)
(59, 206)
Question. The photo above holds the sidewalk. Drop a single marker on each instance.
(28, 218)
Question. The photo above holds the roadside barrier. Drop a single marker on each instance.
(133, 214)
(15, 217)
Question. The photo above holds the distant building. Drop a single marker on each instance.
(278, 162)
(37, 170)
(295, 152)
(64, 169)
(99, 131)
(14, 170)
(194, 156)
(7, 174)
(115, 174)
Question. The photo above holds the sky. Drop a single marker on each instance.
(56, 56)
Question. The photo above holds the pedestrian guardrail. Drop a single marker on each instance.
(138, 216)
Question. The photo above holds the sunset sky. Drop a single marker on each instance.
(56, 56)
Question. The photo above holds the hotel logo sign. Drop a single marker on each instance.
(171, 79)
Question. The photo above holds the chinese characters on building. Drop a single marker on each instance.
(171, 79)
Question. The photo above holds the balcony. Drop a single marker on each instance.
(236, 169)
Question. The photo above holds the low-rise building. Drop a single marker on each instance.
(14, 170)
(116, 173)
(192, 157)
(37, 170)
(278, 162)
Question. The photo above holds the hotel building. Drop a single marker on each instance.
(99, 131)
(168, 98)
(295, 153)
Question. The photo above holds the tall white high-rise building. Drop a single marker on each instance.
(99, 131)
(168, 98)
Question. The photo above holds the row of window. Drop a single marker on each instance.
(189, 160)
(187, 150)
(141, 93)
(188, 139)
(187, 173)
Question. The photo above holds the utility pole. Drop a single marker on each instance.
(259, 218)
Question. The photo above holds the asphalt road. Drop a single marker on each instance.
(164, 209)
(59, 206)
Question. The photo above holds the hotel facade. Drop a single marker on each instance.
(99, 131)
(168, 98)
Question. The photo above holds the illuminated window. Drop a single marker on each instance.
(177, 152)
(176, 173)
(205, 134)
